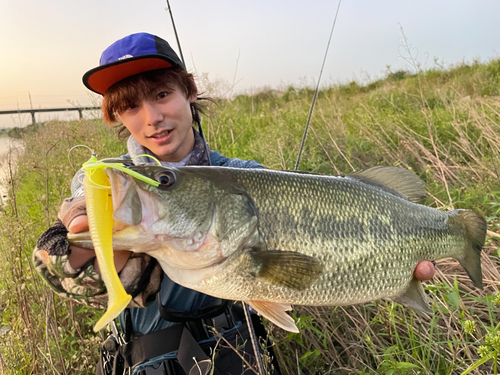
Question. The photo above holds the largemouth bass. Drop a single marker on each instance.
(273, 238)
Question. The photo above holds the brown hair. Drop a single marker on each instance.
(128, 92)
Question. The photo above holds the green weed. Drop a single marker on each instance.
(443, 124)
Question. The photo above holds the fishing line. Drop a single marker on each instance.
(90, 172)
(148, 156)
(316, 91)
(71, 150)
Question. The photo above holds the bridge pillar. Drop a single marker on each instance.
(33, 120)
(80, 113)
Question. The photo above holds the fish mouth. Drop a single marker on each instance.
(133, 206)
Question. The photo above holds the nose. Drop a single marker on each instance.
(151, 113)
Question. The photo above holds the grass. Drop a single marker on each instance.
(442, 124)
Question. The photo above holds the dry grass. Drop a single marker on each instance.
(444, 125)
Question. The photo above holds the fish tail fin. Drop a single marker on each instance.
(470, 258)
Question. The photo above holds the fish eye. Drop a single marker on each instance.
(166, 179)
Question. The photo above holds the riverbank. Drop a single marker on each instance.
(442, 125)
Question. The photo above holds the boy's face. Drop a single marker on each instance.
(162, 124)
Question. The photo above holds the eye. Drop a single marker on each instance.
(166, 179)
(162, 95)
(128, 108)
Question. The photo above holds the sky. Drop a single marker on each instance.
(46, 46)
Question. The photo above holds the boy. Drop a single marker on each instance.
(146, 87)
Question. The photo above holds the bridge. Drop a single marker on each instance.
(33, 111)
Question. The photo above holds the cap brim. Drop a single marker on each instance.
(100, 79)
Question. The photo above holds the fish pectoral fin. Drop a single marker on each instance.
(415, 297)
(287, 268)
(395, 180)
(276, 313)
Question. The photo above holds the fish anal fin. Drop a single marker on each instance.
(415, 297)
(287, 268)
(395, 180)
(276, 313)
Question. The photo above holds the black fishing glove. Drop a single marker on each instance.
(141, 276)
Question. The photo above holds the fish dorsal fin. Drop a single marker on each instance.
(395, 180)
(276, 313)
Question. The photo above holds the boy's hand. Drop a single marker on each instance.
(79, 256)
(73, 271)
(424, 270)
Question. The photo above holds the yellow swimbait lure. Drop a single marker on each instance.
(100, 214)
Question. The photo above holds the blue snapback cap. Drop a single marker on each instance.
(126, 57)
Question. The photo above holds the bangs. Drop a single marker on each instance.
(134, 92)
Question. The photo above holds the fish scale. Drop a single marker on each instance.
(382, 239)
(274, 238)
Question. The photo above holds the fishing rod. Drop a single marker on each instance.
(316, 91)
(197, 119)
(196, 114)
(175, 32)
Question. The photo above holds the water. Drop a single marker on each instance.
(7, 144)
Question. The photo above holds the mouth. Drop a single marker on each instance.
(161, 136)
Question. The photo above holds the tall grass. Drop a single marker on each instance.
(442, 124)
(445, 126)
(39, 331)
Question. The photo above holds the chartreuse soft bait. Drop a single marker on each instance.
(100, 214)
